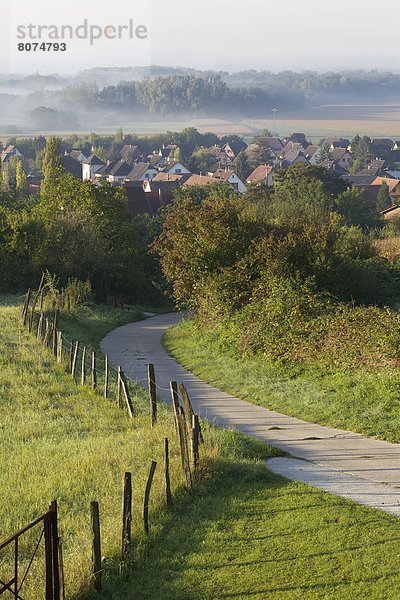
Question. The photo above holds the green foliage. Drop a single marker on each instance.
(201, 160)
(361, 150)
(258, 153)
(383, 200)
(79, 231)
(201, 236)
(52, 161)
(288, 276)
(21, 182)
(242, 166)
(322, 154)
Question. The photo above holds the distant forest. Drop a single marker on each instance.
(167, 91)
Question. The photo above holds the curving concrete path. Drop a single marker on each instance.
(341, 462)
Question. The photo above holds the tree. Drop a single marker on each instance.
(100, 152)
(333, 185)
(119, 136)
(177, 154)
(322, 154)
(242, 166)
(258, 153)
(52, 165)
(200, 237)
(361, 150)
(383, 198)
(201, 160)
(21, 181)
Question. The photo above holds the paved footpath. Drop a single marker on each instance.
(344, 463)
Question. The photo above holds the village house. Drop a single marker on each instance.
(297, 138)
(175, 168)
(333, 167)
(172, 177)
(337, 142)
(114, 172)
(141, 172)
(130, 154)
(164, 189)
(140, 202)
(228, 176)
(221, 159)
(262, 175)
(156, 161)
(379, 146)
(10, 152)
(342, 158)
(77, 155)
(199, 180)
(292, 157)
(234, 148)
(393, 186)
(311, 153)
(274, 144)
(90, 166)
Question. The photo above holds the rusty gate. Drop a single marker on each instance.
(47, 526)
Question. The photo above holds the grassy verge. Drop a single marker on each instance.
(360, 401)
(91, 323)
(242, 533)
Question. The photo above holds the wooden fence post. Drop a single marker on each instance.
(83, 366)
(54, 333)
(94, 376)
(48, 556)
(74, 359)
(195, 443)
(59, 346)
(168, 494)
(26, 306)
(147, 497)
(184, 448)
(71, 355)
(119, 381)
(96, 544)
(127, 397)
(151, 377)
(46, 331)
(55, 550)
(175, 402)
(189, 408)
(31, 319)
(127, 518)
(39, 327)
(106, 376)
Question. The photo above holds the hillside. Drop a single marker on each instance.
(62, 440)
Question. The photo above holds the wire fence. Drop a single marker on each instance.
(90, 368)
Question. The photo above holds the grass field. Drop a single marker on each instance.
(362, 401)
(242, 533)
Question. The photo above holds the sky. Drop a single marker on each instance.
(229, 35)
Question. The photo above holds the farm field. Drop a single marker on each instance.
(242, 532)
(317, 122)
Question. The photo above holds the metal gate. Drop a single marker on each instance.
(47, 526)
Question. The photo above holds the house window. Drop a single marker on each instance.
(178, 171)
